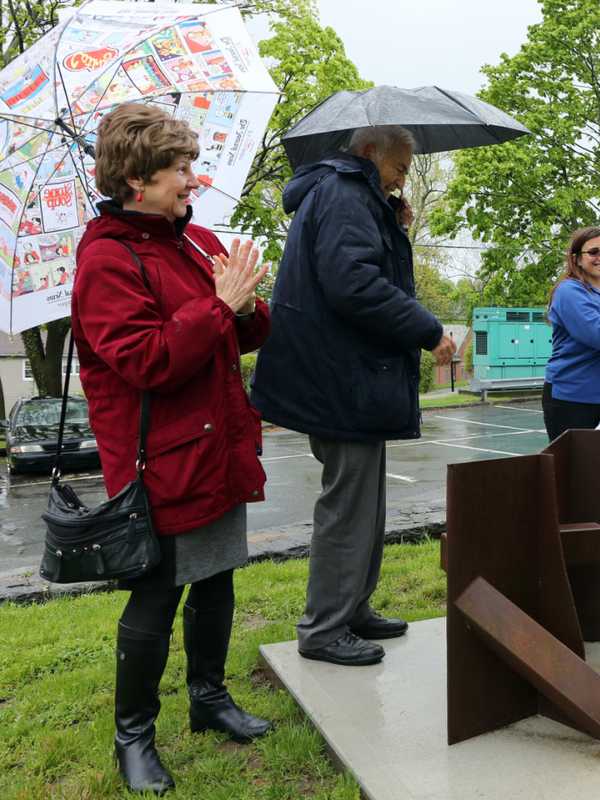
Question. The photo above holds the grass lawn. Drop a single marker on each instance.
(445, 400)
(456, 399)
(56, 693)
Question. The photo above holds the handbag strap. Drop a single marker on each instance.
(144, 422)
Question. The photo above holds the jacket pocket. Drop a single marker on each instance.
(385, 393)
(185, 468)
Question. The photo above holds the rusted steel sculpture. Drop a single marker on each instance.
(515, 644)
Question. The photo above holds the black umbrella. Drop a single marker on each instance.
(439, 120)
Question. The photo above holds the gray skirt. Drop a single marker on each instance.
(197, 554)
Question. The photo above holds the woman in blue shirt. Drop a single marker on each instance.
(571, 397)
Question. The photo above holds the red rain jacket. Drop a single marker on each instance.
(183, 344)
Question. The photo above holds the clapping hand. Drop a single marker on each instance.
(236, 276)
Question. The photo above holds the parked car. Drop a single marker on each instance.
(32, 435)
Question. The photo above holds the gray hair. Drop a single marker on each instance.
(384, 137)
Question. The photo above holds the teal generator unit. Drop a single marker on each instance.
(510, 343)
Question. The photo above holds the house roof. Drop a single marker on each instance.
(458, 333)
(11, 345)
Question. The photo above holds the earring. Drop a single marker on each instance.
(139, 196)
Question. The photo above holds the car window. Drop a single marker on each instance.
(47, 412)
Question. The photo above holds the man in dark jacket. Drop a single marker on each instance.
(342, 365)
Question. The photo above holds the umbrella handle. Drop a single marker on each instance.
(88, 149)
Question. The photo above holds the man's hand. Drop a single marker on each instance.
(444, 351)
(405, 215)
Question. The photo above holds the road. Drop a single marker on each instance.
(415, 471)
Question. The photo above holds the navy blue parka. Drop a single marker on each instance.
(342, 360)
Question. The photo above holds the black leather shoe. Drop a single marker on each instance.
(377, 627)
(348, 650)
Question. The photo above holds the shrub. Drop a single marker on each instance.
(427, 367)
(248, 367)
(468, 362)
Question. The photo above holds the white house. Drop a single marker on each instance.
(15, 371)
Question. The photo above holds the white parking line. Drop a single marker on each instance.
(470, 436)
(282, 458)
(485, 424)
(479, 449)
(526, 410)
(404, 478)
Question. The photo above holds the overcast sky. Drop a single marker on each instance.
(412, 43)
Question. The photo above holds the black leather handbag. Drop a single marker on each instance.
(113, 540)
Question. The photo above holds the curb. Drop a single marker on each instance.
(416, 523)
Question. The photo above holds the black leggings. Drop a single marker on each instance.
(560, 415)
(153, 611)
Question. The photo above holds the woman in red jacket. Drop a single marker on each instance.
(177, 332)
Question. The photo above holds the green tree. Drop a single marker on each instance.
(307, 63)
(525, 197)
(425, 190)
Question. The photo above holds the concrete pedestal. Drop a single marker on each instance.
(386, 724)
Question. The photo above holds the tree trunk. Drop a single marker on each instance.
(2, 406)
(46, 362)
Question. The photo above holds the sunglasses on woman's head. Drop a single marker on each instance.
(593, 251)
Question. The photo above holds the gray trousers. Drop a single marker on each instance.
(347, 541)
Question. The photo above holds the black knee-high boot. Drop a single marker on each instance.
(141, 660)
(206, 637)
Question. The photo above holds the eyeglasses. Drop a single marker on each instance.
(593, 251)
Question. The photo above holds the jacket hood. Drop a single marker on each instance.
(305, 178)
(115, 222)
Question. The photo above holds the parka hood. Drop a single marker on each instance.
(305, 178)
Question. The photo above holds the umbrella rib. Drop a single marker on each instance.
(216, 188)
(77, 138)
(32, 195)
(19, 163)
(61, 34)
(83, 181)
(33, 158)
(463, 106)
(62, 80)
(17, 120)
(86, 186)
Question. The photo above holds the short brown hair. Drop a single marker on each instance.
(135, 141)
(572, 268)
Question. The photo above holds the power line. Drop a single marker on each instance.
(427, 244)
(453, 246)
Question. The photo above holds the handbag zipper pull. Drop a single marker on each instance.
(97, 550)
(131, 527)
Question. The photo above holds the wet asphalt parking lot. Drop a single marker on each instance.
(416, 470)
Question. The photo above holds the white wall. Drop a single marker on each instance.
(15, 385)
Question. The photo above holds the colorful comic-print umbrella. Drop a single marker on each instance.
(196, 61)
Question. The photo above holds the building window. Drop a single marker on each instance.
(74, 367)
(28, 374)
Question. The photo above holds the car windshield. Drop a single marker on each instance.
(47, 412)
